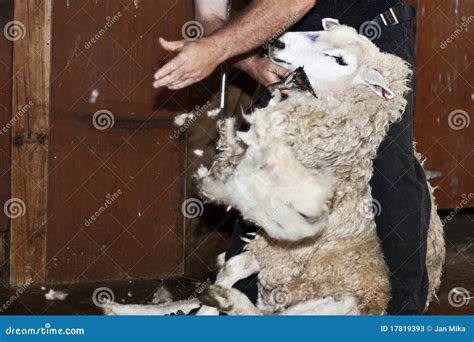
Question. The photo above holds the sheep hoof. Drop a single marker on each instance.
(219, 297)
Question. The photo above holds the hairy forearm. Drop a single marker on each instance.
(260, 22)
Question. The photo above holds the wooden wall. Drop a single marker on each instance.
(445, 97)
(95, 159)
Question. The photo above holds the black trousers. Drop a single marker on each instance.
(399, 185)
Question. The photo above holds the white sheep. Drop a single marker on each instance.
(302, 173)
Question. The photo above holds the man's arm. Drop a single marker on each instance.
(258, 24)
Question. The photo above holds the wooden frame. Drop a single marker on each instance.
(29, 172)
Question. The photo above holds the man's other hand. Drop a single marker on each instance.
(263, 70)
(195, 61)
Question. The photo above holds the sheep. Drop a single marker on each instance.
(301, 173)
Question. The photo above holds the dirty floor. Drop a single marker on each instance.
(458, 275)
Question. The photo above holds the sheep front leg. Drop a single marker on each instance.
(236, 268)
(229, 300)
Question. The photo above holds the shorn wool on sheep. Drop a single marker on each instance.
(302, 173)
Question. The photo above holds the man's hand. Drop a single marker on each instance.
(263, 70)
(196, 60)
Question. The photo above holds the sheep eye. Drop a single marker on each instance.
(339, 60)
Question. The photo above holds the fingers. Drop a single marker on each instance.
(183, 84)
(169, 73)
(280, 71)
(167, 80)
(270, 78)
(173, 65)
(171, 46)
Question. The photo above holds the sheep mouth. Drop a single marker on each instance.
(278, 44)
(276, 60)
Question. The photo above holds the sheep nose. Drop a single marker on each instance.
(278, 44)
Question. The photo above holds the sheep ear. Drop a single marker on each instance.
(329, 23)
(377, 83)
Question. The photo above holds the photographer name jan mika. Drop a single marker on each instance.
(422, 328)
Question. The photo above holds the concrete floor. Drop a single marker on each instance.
(458, 274)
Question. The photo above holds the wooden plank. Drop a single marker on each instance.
(29, 181)
(6, 15)
(444, 99)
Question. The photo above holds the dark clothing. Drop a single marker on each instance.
(398, 184)
(349, 12)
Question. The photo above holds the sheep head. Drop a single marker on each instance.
(339, 59)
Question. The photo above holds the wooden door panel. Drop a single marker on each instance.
(444, 103)
(6, 13)
(103, 57)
